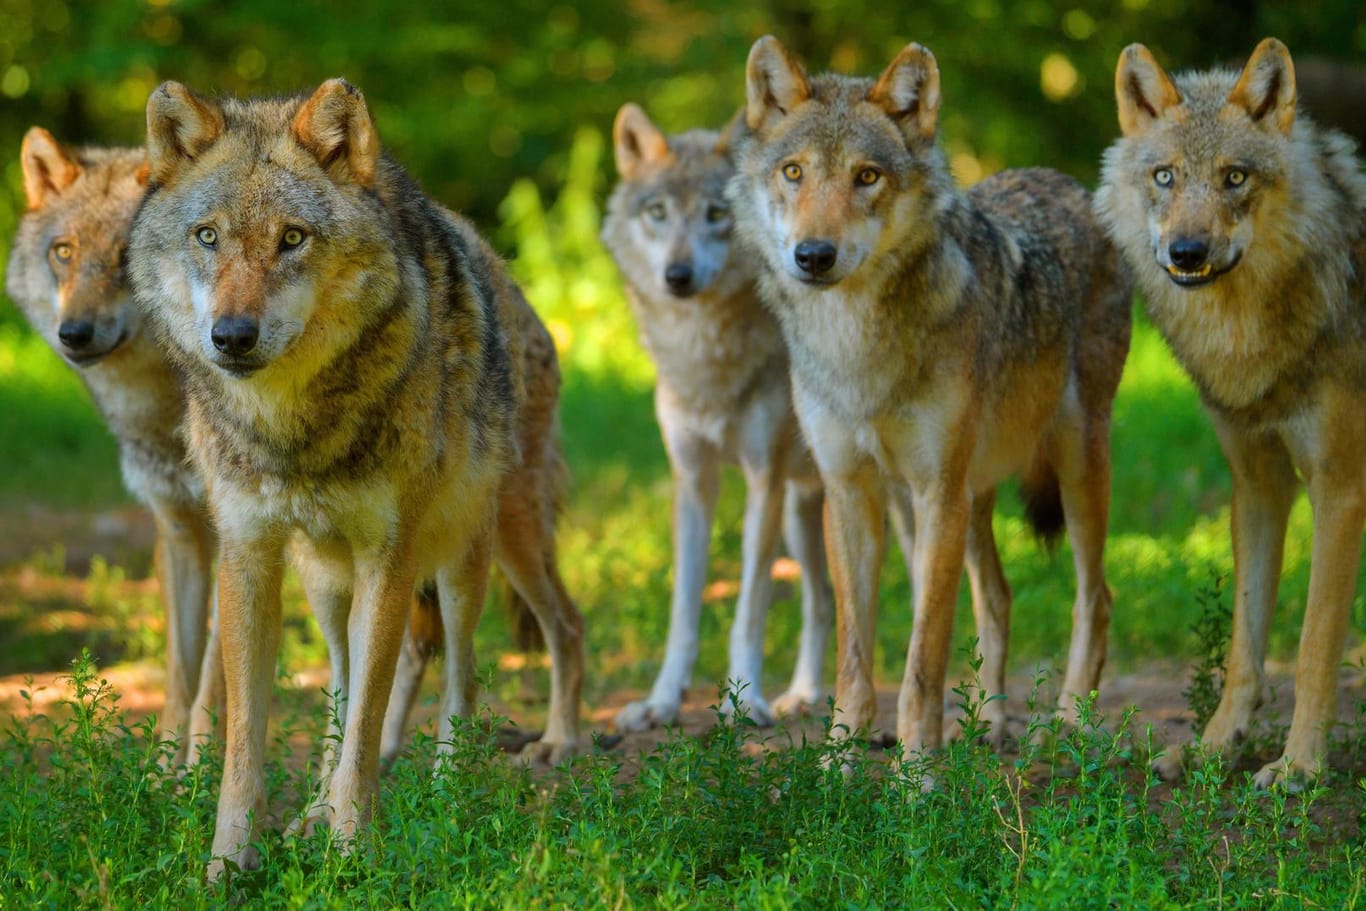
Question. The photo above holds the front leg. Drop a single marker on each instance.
(941, 525)
(694, 462)
(249, 575)
(384, 582)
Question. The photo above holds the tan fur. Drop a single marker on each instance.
(354, 360)
(722, 394)
(66, 270)
(1271, 326)
(938, 339)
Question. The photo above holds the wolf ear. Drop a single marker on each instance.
(1267, 86)
(47, 167)
(908, 91)
(1142, 88)
(774, 83)
(335, 125)
(638, 141)
(181, 126)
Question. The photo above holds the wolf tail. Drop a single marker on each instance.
(1043, 503)
(523, 627)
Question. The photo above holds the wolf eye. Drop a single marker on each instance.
(868, 176)
(206, 236)
(717, 214)
(291, 238)
(792, 171)
(1235, 178)
(63, 251)
(1163, 177)
(657, 211)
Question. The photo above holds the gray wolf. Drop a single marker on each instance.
(722, 395)
(938, 339)
(354, 364)
(1246, 227)
(67, 273)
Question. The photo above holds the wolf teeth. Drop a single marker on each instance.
(1203, 271)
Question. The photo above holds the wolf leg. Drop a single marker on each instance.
(384, 582)
(1264, 488)
(207, 715)
(764, 483)
(184, 560)
(991, 611)
(420, 638)
(249, 576)
(526, 555)
(462, 587)
(694, 463)
(327, 576)
(802, 533)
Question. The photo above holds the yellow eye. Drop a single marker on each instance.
(869, 176)
(63, 251)
(792, 171)
(717, 214)
(1163, 177)
(206, 236)
(291, 238)
(1235, 178)
(657, 210)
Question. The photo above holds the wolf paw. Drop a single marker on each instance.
(243, 859)
(551, 752)
(1292, 775)
(308, 822)
(643, 715)
(796, 703)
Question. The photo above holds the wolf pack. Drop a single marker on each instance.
(308, 362)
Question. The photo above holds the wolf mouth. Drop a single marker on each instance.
(1202, 276)
(90, 358)
(240, 369)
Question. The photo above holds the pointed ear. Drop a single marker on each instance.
(1266, 89)
(775, 83)
(47, 167)
(1142, 88)
(335, 126)
(908, 91)
(638, 141)
(181, 126)
(731, 134)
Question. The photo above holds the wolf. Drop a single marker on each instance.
(67, 273)
(722, 395)
(355, 365)
(1246, 226)
(940, 339)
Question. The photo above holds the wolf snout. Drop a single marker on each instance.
(679, 276)
(815, 257)
(235, 335)
(1188, 254)
(76, 334)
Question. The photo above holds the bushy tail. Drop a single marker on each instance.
(1043, 503)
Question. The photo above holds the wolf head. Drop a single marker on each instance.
(262, 238)
(67, 266)
(668, 223)
(837, 171)
(1204, 163)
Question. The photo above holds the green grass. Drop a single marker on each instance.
(88, 820)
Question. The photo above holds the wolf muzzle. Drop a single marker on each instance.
(235, 335)
(815, 257)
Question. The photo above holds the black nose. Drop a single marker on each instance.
(815, 256)
(678, 277)
(1188, 255)
(235, 335)
(76, 333)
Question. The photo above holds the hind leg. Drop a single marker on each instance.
(990, 610)
(461, 586)
(802, 531)
(526, 554)
(207, 713)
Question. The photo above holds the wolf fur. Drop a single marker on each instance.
(722, 395)
(354, 362)
(941, 339)
(66, 272)
(1246, 227)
